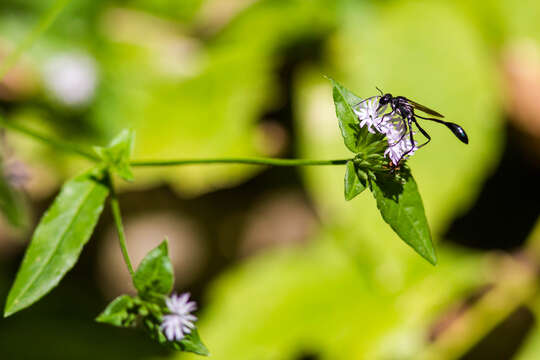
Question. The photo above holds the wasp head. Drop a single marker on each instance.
(385, 99)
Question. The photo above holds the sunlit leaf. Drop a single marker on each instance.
(192, 343)
(155, 273)
(57, 241)
(353, 184)
(401, 207)
(355, 137)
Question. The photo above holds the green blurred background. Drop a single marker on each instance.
(281, 265)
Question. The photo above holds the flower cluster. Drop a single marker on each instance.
(400, 145)
(180, 321)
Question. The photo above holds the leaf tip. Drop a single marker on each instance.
(11, 309)
(164, 246)
(429, 254)
(432, 258)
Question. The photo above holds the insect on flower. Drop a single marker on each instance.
(397, 124)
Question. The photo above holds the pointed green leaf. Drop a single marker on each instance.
(401, 207)
(353, 184)
(117, 312)
(57, 241)
(356, 139)
(192, 343)
(118, 153)
(155, 273)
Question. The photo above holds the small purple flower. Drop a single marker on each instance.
(180, 320)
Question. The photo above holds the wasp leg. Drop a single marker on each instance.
(402, 136)
(424, 132)
(391, 113)
(432, 119)
(409, 123)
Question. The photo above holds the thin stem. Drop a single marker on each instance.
(115, 207)
(46, 20)
(66, 147)
(249, 161)
(74, 149)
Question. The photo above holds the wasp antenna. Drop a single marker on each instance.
(379, 90)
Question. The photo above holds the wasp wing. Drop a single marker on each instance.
(424, 109)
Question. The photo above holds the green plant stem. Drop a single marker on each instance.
(63, 146)
(46, 20)
(70, 148)
(115, 207)
(249, 161)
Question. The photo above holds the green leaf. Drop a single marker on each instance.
(353, 184)
(117, 312)
(356, 138)
(57, 241)
(12, 204)
(155, 273)
(192, 343)
(401, 207)
(117, 155)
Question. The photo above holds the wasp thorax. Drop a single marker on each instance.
(385, 99)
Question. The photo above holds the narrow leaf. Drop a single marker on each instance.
(353, 184)
(155, 273)
(117, 312)
(45, 21)
(355, 137)
(401, 207)
(57, 241)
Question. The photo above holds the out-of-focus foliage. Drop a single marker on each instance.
(183, 96)
(12, 203)
(192, 78)
(320, 300)
(357, 292)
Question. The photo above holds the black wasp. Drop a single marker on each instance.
(405, 108)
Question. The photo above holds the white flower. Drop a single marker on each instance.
(399, 142)
(392, 126)
(368, 115)
(180, 321)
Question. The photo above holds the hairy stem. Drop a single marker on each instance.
(115, 207)
(46, 20)
(249, 161)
